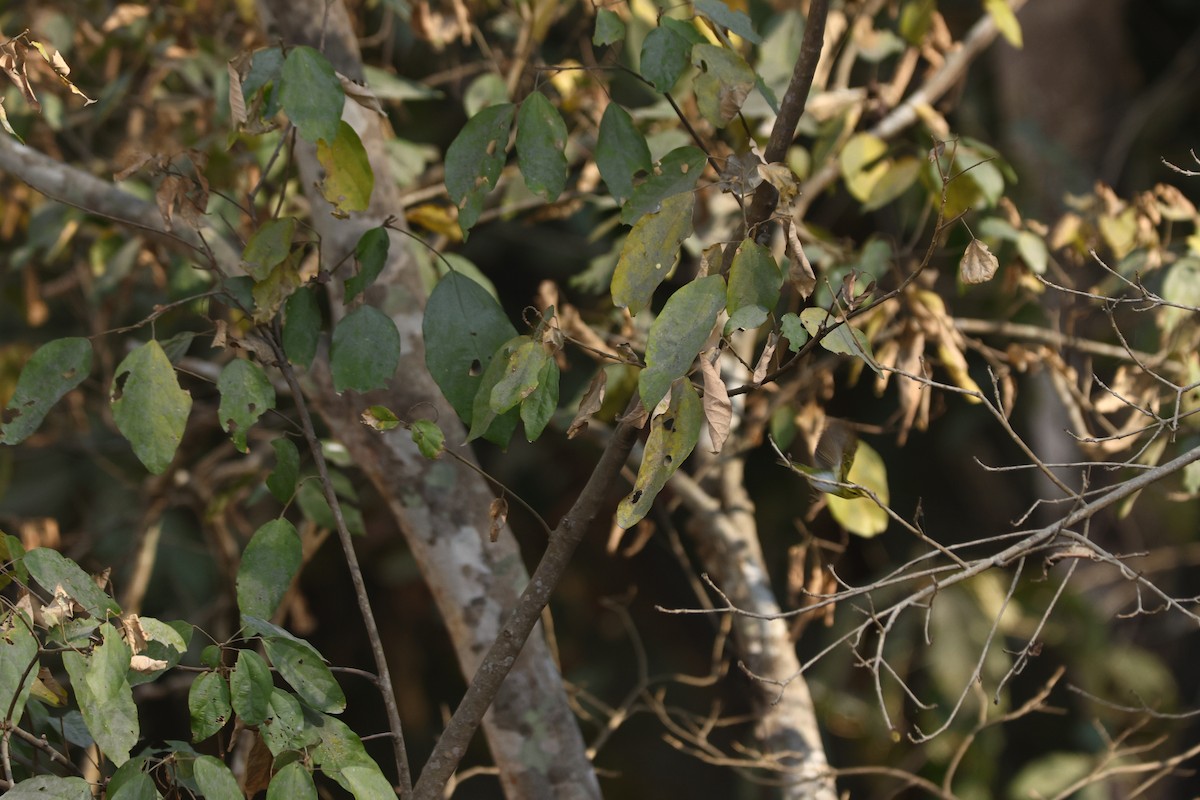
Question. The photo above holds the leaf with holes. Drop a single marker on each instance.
(676, 173)
(541, 137)
(475, 159)
(673, 436)
(208, 705)
(311, 94)
(724, 83)
(484, 419)
(365, 350)
(284, 727)
(429, 438)
(269, 563)
(650, 251)
(521, 375)
(55, 369)
(301, 666)
(736, 22)
(678, 334)
(246, 394)
(51, 568)
(349, 179)
(621, 151)
(148, 406)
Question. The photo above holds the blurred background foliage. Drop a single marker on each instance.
(1080, 118)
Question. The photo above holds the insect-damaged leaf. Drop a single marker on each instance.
(678, 172)
(50, 568)
(650, 251)
(268, 565)
(678, 334)
(371, 252)
(475, 159)
(148, 406)
(55, 369)
(208, 705)
(541, 137)
(311, 94)
(978, 264)
(301, 666)
(724, 83)
(463, 328)
(484, 418)
(754, 279)
(539, 406)
(269, 245)
(246, 394)
(665, 56)
(349, 179)
(673, 436)
(621, 151)
(521, 375)
(365, 350)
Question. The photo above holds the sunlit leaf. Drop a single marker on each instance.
(862, 515)
(246, 394)
(365, 350)
(792, 328)
(428, 437)
(272, 292)
(1006, 20)
(650, 251)
(475, 159)
(521, 375)
(896, 179)
(380, 418)
(541, 138)
(311, 94)
(54, 369)
(268, 565)
(1032, 249)
(539, 406)
(678, 334)
(735, 22)
(349, 179)
(673, 436)
(724, 83)
(621, 151)
(677, 173)
(843, 339)
(484, 419)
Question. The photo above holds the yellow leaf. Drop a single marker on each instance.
(1005, 19)
(862, 515)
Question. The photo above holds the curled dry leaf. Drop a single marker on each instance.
(593, 398)
(58, 610)
(498, 515)
(764, 360)
(237, 103)
(800, 271)
(146, 664)
(718, 410)
(780, 176)
(135, 634)
(360, 94)
(978, 265)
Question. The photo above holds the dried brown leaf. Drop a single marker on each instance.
(800, 271)
(498, 517)
(145, 664)
(360, 94)
(135, 634)
(978, 265)
(237, 102)
(718, 410)
(780, 176)
(593, 398)
(764, 360)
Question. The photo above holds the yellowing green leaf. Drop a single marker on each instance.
(1005, 19)
(269, 245)
(520, 376)
(844, 339)
(676, 173)
(678, 334)
(349, 179)
(650, 251)
(673, 436)
(724, 83)
(862, 515)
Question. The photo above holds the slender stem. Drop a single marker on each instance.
(360, 589)
(507, 647)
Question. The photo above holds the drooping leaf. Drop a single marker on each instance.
(208, 705)
(365, 350)
(862, 516)
(54, 369)
(521, 375)
(539, 406)
(673, 436)
(50, 787)
(735, 22)
(148, 406)
(718, 410)
(977, 265)
(215, 779)
(665, 57)
(724, 82)
(844, 339)
(650, 251)
(677, 173)
(51, 568)
(609, 28)
(475, 159)
(464, 327)
(349, 179)
(371, 252)
(754, 279)
(250, 686)
(269, 563)
(293, 782)
(269, 246)
(301, 666)
(246, 394)
(541, 137)
(311, 94)
(621, 151)
(301, 326)
(282, 480)
(428, 437)
(678, 334)
(1006, 20)
(484, 418)
(18, 650)
(103, 693)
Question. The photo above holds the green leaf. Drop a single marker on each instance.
(284, 727)
(371, 252)
(724, 83)
(484, 419)
(844, 339)
(678, 334)
(208, 705)
(250, 686)
(311, 94)
(103, 693)
(164, 642)
(538, 407)
(650, 251)
(429, 438)
(794, 331)
(862, 515)
(673, 436)
(18, 650)
(621, 151)
(1033, 251)
(463, 329)
(50, 568)
(475, 159)
(340, 748)
(916, 17)
(301, 666)
(246, 394)
(609, 28)
(148, 406)
(50, 787)
(380, 418)
(366, 782)
(1006, 20)
(1051, 774)
(349, 179)
(365, 350)
(735, 22)
(215, 779)
(55, 369)
(541, 139)
(282, 480)
(301, 326)
(293, 782)
(270, 561)
(746, 318)
(1182, 286)
(665, 57)
(754, 279)
(315, 508)
(677, 173)
(520, 376)
(268, 247)
(132, 774)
